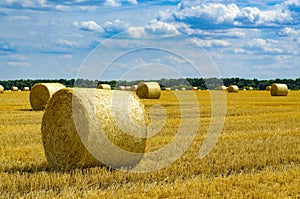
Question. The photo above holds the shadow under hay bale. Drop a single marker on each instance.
(148, 90)
(89, 127)
(279, 90)
(41, 93)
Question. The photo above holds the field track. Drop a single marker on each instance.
(256, 156)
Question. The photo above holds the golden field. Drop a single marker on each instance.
(256, 156)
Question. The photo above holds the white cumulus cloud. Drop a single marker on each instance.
(88, 25)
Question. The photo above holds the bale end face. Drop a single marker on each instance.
(41, 93)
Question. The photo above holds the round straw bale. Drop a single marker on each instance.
(104, 86)
(268, 88)
(26, 88)
(279, 89)
(195, 88)
(1, 89)
(221, 88)
(14, 88)
(121, 88)
(128, 88)
(148, 90)
(78, 123)
(233, 89)
(133, 87)
(183, 89)
(41, 93)
(168, 89)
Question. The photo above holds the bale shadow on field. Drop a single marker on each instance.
(25, 109)
(45, 167)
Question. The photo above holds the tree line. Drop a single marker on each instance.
(188, 83)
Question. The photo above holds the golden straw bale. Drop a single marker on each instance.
(168, 89)
(233, 89)
(133, 87)
(195, 88)
(104, 86)
(1, 89)
(148, 90)
(279, 90)
(26, 88)
(268, 88)
(41, 93)
(86, 127)
(14, 88)
(221, 88)
(121, 88)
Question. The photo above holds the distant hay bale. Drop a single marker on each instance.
(279, 89)
(168, 89)
(195, 88)
(26, 88)
(148, 90)
(221, 88)
(233, 89)
(1, 89)
(14, 88)
(250, 88)
(78, 123)
(128, 88)
(133, 87)
(41, 93)
(104, 86)
(268, 88)
(183, 89)
(121, 88)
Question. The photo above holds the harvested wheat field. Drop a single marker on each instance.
(256, 156)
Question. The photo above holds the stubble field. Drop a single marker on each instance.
(256, 156)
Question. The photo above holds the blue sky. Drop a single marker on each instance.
(49, 39)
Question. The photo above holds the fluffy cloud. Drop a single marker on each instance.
(266, 45)
(289, 31)
(161, 28)
(88, 26)
(210, 43)
(115, 26)
(24, 3)
(218, 15)
(67, 43)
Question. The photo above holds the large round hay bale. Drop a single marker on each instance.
(78, 123)
(14, 88)
(104, 86)
(26, 88)
(279, 89)
(1, 89)
(148, 90)
(233, 89)
(268, 88)
(41, 93)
